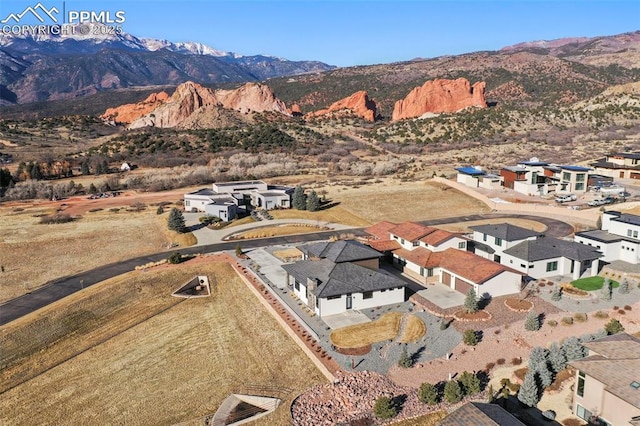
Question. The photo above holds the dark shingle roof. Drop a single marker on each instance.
(340, 251)
(631, 219)
(480, 413)
(506, 231)
(549, 248)
(340, 278)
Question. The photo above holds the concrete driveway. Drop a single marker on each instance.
(270, 266)
(345, 319)
(442, 295)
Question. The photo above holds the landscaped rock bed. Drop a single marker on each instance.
(518, 305)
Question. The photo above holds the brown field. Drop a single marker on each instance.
(384, 328)
(335, 214)
(398, 201)
(126, 352)
(33, 254)
(276, 231)
(524, 223)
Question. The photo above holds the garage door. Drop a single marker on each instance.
(446, 278)
(462, 286)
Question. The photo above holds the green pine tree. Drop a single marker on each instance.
(471, 301)
(532, 322)
(299, 200)
(313, 202)
(384, 408)
(428, 394)
(452, 392)
(405, 360)
(605, 292)
(613, 327)
(175, 222)
(470, 383)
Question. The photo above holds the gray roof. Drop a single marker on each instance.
(204, 191)
(515, 169)
(631, 219)
(484, 247)
(480, 413)
(340, 251)
(549, 248)
(336, 279)
(506, 231)
(604, 236)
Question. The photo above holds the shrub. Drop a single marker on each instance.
(444, 324)
(624, 286)
(552, 323)
(501, 361)
(384, 408)
(532, 322)
(471, 301)
(428, 394)
(605, 292)
(470, 383)
(489, 366)
(470, 337)
(516, 361)
(175, 258)
(239, 251)
(567, 320)
(601, 315)
(613, 327)
(627, 307)
(556, 293)
(491, 395)
(580, 316)
(175, 222)
(405, 360)
(621, 311)
(56, 218)
(160, 210)
(452, 392)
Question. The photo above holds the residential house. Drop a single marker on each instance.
(490, 241)
(541, 178)
(431, 255)
(608, 381)
(622, 165)
(618, 238)
(480, 413)
(547, 257)
(212, 203)
(335, 277)
(573, 179)
(477, 178)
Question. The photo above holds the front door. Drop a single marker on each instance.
(349, 302)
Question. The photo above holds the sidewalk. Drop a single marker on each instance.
(207, 236)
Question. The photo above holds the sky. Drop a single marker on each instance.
(358, 32)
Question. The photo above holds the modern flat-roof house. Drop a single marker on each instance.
(489, 241)
(621, 165)
(618, 238)
(573, 179)
(477, 178)
(431, 255)
(480, 414)
(541, 178)
(608, 381)
(254, 192)
(335, 277)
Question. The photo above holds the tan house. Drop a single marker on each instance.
(608, 381)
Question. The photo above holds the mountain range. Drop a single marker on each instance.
(49, 67)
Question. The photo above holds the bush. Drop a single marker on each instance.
(580, 316)
(624, 286)
(428, 394)
(501, 361)
(613, 327)
(556, 293)
(489, 366)
(601, 315)
(567, 320)
(552, 323)
(452, 392)
(384, 408)
(532, 322)
(160, 210)
(627, 307)
(56, 218)
(516, 361)
(444, 324)
(405, 360)
(175, 258)
(470, 383)
(239, 251)
(470, 337)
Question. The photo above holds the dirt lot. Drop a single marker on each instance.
(168, 361)
(33, 253)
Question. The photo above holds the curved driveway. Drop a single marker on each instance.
(62, 287)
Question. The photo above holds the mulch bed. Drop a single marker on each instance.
(363, 350)
(518, 305)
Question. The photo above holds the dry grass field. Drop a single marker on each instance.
(33, 254)
(384, 328)
(126, 352)
(276, 231)
(524, 223)
(335, 214)
(398, 201)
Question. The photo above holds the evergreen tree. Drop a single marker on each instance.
(532, 322)
(92, 188)
(405, 360)
(84, 168)
(471, 301)
(470, 383)
(624, 286)
(605, 292)
(299, 199)
(21, 170)
(538, 358)
(105, 166)
(613, 327)
(556, 293)
(160, 210)
(452, 392)
(175, 222)
(557, 358)
(239, 251)
(545, 376)
(384, 408)
(573, 349)
(491, 395)
(529, 392)
(313, 202)
(428, 394)
(470, 337)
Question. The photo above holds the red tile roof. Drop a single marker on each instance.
(411, 231)
(380, 230)
(472, 267)
(420, 256)
(437, 237)
(385, 245)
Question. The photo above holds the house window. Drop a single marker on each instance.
(402, 241)
(579, 177)
(566, 176)
(583, 413)
(498, 241)
(580, 388)
(334, 297)
(484, 237)
(580, 186)
(462, 245)
(367, 295)
(430, 272)
(552, 266)
(629, 232)
(187, 203)
(522, 265)
(284, 203)
(416, 243)
(297, 285)
(635, 234)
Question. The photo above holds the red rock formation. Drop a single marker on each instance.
(190, 97)
(358, 103)
(440, 96)
(125, 114)
(295, 110)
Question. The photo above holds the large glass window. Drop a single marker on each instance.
(367, 295)
(552, 266)
(580, 177)
(579, 186)
(566, 176)
(580, 390)
(583, 413)
(498, 241)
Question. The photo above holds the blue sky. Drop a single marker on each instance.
(355, 32)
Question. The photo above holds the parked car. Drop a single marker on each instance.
(595, 203)
(608, 200)
(565, 198)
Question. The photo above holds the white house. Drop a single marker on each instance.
(617, 240)
(621, 165)
(489, 241)
(224, 208)
(335, 277)
(271, 199)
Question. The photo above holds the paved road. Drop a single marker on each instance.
(60, 288)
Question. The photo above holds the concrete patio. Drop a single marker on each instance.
(442, 295)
